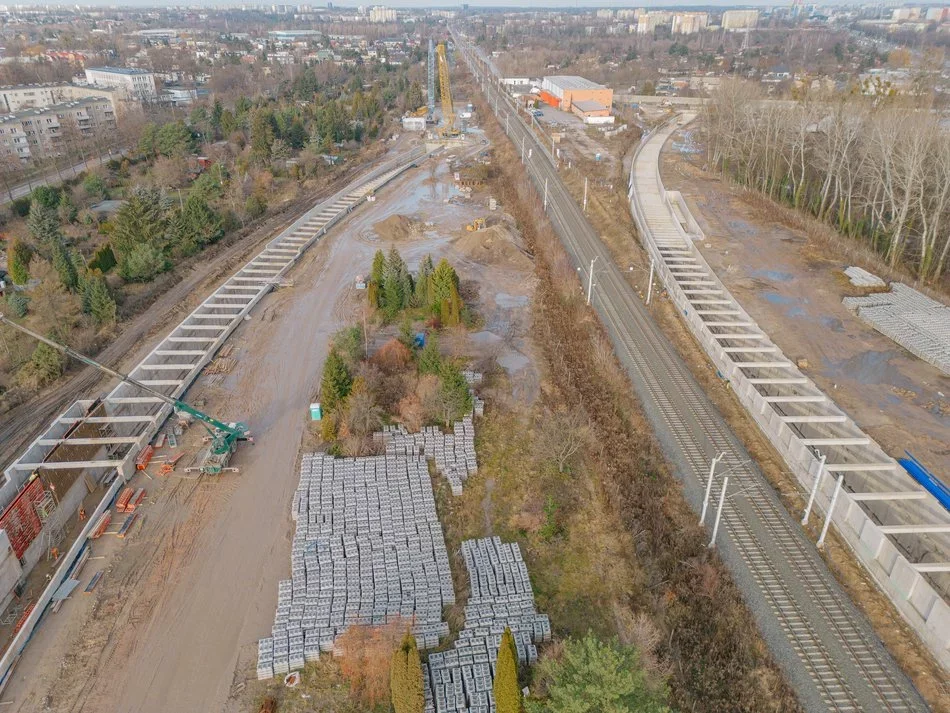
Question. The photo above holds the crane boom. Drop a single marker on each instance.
(236, 431)
(445, 89)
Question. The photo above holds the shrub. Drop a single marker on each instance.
(47, 196)
(505, 686)
(18, 262)
(18, 304)
(594, 676)
(20, 207)
(336, 382)
(405, 679)
(103, 259)
(143, 263)
(255, 206)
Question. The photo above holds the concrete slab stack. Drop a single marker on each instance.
(862, 278)
(368, 549)
(453, 453)
(913, 320)
(460, 679)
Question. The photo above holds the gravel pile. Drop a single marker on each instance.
(460, 679)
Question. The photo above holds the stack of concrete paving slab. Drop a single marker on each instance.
(453, 453)
(460, 679)
(368, 549)
(913, 320)
(474, 378)
(862, 278)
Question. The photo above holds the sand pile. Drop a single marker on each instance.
(493, 246)
(398, 227)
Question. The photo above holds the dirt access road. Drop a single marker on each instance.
(793, 289)
(175, 623)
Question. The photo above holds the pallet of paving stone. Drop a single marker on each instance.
(101, 524)
(93, 582)
(123, 500)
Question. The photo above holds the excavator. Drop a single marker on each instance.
(223, 437)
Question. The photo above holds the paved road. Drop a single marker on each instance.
(54, 177)
(826, 647)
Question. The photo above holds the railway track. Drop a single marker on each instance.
(826, 647)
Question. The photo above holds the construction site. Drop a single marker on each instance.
(441, 402)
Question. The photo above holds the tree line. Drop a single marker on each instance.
(875, 169)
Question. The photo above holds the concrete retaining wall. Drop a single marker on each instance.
(913, 595)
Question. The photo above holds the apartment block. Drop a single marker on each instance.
(32, 134)
(135, 84)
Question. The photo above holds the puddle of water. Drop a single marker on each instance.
(485, 338)
(513, 361)
(503, 299)
(833, 323)
(867, 368)
(778, 299)
(773, 275)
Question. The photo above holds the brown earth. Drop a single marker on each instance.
(397, 228)
(494, 245)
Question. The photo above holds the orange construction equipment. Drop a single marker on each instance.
(123, 500)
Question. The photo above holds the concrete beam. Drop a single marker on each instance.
(764, 364)
(779, 380)
(922, 529)
(842, 441)
(165, 367)
(107, 419)
(859, 467)
(228, 317)
(755, 337)
(711, 302)
(69, 465)
(180, 352)
(161, 382)
(932, 566)
(899, 495)
(750, 350)
(728, 324)
(134, 400)
(104, 441)
(815, 419)
(205, 327)
(807, 399)
(722, 312)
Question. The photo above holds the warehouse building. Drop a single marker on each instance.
(562, 91)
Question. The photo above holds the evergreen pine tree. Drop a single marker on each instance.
(64, 267)
(405, 678)
(18, 262)
(43, 224)
(101, 305)
(395, 296)
(443, 280)
(336, 382)
(505, 686)
(423, 282)
(377, 275)
(430, 360)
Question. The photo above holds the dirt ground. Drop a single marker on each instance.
(794, 291)
(174, 623)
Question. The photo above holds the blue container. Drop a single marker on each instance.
(420, 339)
(927, 479)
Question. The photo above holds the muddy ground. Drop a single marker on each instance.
(175, 620)
(794, 291)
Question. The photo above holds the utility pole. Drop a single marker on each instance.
(506, 123)
(650, 284)
(545, 194)
(712, 475)
(590, 279)
(722, 499)
(831, 510)
(585, 194)
(814, 490)
(522, 150)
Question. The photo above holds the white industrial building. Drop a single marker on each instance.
(137, 84)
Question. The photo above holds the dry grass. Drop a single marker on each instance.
(618, 231)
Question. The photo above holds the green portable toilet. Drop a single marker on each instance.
(316, 413)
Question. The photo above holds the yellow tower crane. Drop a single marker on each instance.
(445, 89)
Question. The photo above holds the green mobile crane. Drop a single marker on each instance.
(224, 437)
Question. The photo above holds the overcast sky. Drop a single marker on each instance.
(560, 4)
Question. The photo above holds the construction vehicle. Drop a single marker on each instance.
(475, 225)
(223, 437)
(448, 111)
